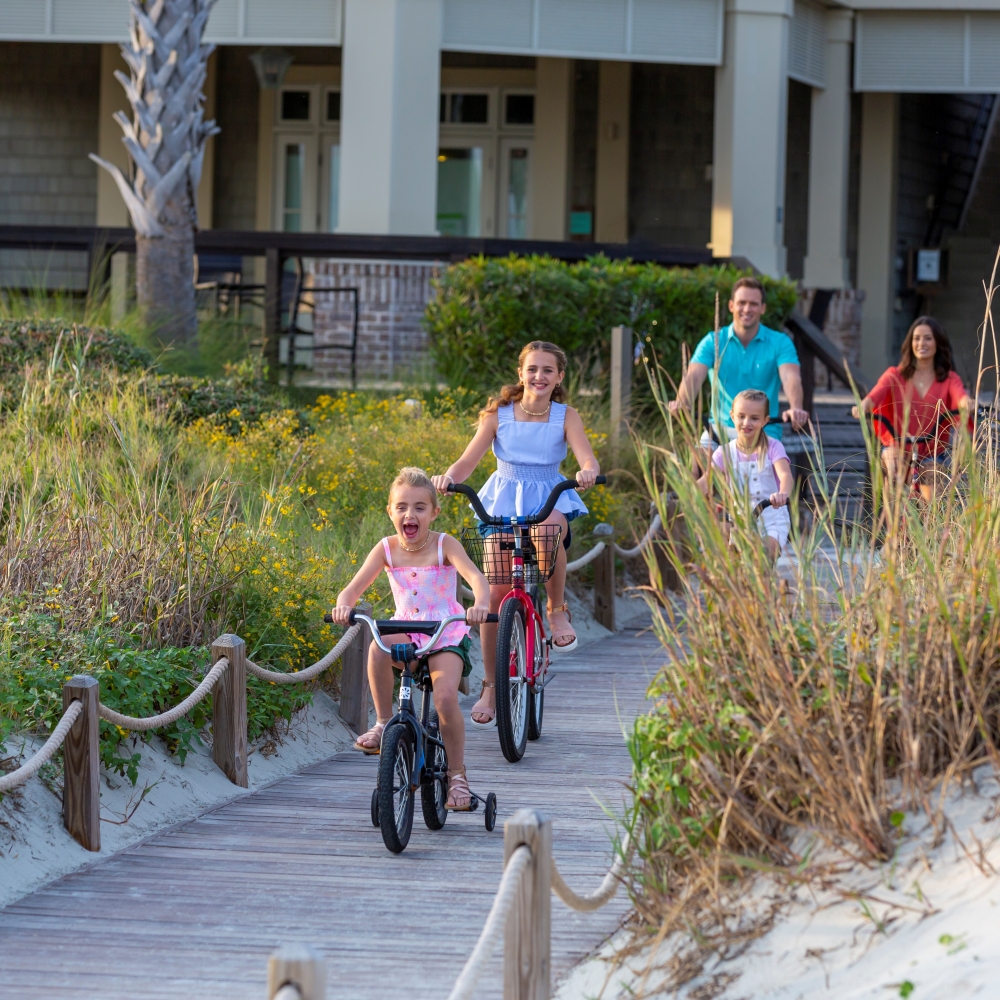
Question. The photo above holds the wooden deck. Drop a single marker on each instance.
(195, 911)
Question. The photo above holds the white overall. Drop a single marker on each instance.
(760, 483)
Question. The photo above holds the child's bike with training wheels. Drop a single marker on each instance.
(412, 755)
(519, 551)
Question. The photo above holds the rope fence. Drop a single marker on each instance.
(78, 729)
(603, 555)
(521, 913)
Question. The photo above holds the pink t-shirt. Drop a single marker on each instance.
(775, 451)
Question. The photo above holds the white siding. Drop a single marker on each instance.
(233, 22)
(927, 52)
(673, 31)
(807, 44)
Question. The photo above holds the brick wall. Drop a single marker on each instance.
(392, 344)
(49, 99)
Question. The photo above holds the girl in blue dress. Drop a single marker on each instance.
(529, 427)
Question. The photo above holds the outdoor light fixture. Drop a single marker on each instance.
(271, 66)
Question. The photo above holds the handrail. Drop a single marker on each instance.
(47, 751)
(831, 356)
(226, 681)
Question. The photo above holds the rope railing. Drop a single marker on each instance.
(307, 673)
(521, 912)
(45, 753)
(172, 715)
(226, 681)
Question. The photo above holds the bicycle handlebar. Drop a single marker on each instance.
(547, 507)
(761, 507)
(390, 625)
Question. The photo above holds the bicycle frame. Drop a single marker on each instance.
(531, 615)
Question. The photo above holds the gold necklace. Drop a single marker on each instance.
(532, 413)
(419, 547)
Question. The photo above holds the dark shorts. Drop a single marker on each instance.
(463, 649)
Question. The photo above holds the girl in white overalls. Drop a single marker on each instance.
(759, 465)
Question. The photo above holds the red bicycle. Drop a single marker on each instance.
(520, 551)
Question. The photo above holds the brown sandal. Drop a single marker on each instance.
(458, 788)
(561, 630)
(486, 710)
(373, 734)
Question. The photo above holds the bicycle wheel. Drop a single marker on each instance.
(536, 697)
(395, 787)
(511, 681)
(434, 795)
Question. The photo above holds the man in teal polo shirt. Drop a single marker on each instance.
(748, 355)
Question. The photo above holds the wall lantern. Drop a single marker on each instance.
(271, 66)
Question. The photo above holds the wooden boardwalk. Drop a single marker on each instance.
(195, 911)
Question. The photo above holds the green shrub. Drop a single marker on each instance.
(188, 398)
(485, 310)
(60, 348)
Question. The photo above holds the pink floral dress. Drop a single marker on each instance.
(427, 593)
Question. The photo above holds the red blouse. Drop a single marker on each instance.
(928, 414)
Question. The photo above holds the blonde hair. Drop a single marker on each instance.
(512, 393)
(410, 475)
(756, 396)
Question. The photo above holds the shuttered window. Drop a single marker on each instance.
(927, 52)
(807, 44)
(670, 31)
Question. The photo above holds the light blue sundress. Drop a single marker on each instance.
(528, 457)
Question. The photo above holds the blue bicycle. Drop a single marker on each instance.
(412, 755)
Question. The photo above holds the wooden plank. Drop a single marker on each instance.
(81, 784)
(196, 910)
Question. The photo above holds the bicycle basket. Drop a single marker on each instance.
(494, 554)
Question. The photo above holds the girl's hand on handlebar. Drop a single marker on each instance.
(341, 614)
(441, 483)
(585, 478)
(477, 614)
(855, 412)
(778, 499)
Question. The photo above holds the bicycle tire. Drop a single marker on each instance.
(395, 787)
(536, 697)
(434, 795)
(512, 701)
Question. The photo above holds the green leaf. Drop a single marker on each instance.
(896, 819)
(906, 988)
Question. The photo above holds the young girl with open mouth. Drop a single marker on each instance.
(421, 565)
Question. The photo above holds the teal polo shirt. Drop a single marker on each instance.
(752, 367)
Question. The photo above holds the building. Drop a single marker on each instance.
(829, 142)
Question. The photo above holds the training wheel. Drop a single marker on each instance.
(375, 806)
(491, 812)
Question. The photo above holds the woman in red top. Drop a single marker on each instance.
(925, 390)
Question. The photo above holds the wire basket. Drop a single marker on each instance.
(494, 554)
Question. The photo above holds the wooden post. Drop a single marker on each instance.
(81, 790)
(354, 691)
(604, 586)
(528, 936)
(297, 965)
(229, 710)
(272, 311)
(621, 381)
(807, 369)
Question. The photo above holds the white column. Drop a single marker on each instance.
(389, 117)
(751, 111)
(611, 187)
(877, 228)
(553, 134)
(826, 263)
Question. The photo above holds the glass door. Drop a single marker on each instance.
(515, 189)
(296, 187)
(465, 187)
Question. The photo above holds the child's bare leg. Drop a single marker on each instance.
(773, 549)
(484, 710)
(446, 672)
(381, 683)
(563, 633)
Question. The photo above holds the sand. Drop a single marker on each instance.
(925, 927)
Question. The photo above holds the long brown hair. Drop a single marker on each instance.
(942, 355)
(512, 393)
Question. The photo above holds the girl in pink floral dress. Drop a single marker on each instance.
(422, 566)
